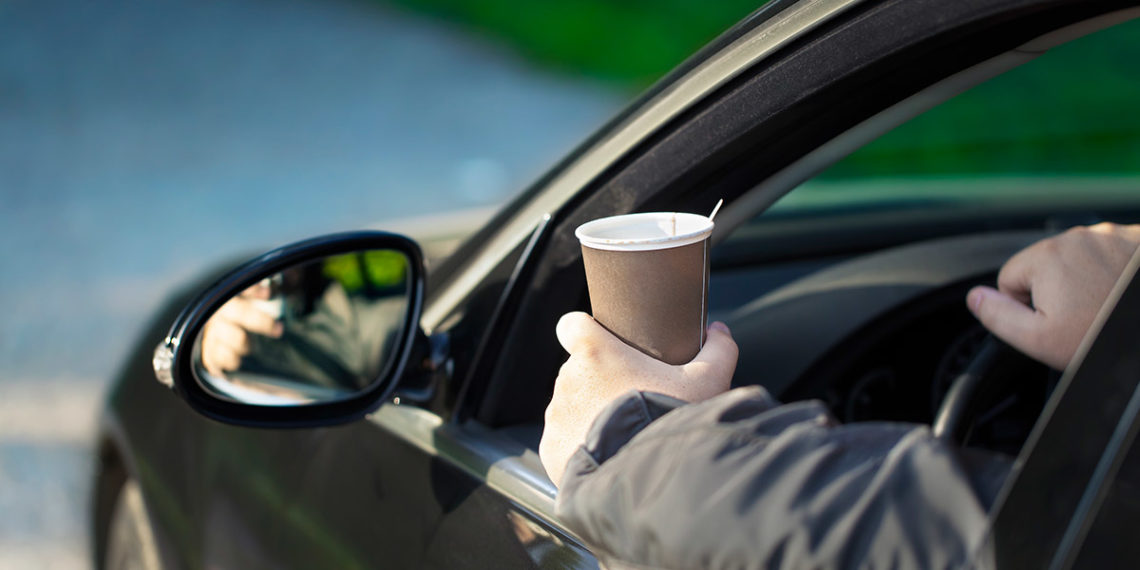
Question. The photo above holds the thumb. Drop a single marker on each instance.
(718, 356)
(578, 332)
(1009, 319)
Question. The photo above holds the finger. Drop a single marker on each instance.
(569, 330)
(258, 290)
(229, 335)
(1008, 318)
(720, 351)
(1016, 276)
(218, 359)
(714, 365)
(243, 313)
(579, 333)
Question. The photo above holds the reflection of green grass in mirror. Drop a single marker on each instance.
(385, 267)
(381, 269)
(344, 269)
(1072, 111)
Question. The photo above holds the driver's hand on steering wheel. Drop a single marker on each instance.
(601, 368)
(225, 337)
(1049, 293)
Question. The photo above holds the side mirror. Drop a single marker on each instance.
(313, 333)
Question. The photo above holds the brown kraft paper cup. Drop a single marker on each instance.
(648, 280)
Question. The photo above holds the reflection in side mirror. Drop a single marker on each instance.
(319, 331)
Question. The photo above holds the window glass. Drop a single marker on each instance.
(831, 306)
(1070, 115)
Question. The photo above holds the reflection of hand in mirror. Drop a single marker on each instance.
(225, 337)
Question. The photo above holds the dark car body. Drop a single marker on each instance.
(446, 474)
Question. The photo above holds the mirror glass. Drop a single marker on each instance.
(321, 330)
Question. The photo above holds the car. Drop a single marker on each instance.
(876, 160)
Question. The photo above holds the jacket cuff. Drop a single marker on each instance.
(623, 419)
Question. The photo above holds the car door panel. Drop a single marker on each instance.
(498, 511)
(485, 530)
(344, 497)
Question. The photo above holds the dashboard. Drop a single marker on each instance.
(882, 336)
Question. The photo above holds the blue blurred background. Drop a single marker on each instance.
(142, 143)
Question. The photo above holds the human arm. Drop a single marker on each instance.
(738, 480)
(1048, 294)
(741, 481)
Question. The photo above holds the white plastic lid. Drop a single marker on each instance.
(644, 232)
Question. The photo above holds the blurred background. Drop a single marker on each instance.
(145, 143)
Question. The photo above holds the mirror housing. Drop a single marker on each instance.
(178, 360)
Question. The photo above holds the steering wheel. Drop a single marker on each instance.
(991, 370)
(950, 422)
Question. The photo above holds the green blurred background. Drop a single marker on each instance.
(628, 43)
(1084, 98)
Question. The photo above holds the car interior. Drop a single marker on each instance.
(851, 288)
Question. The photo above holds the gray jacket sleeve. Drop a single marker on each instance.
(740, 481)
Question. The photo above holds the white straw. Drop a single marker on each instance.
(719, 203)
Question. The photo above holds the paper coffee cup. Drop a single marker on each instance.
(648, 278)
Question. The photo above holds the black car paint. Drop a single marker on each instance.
(358, 494)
